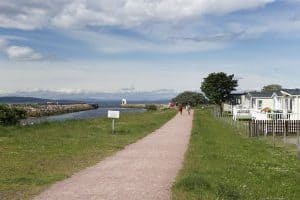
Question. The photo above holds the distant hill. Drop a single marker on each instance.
(28, 100)
(155, 95)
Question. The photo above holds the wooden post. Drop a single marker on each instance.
(249, 128)
(113, 125)
(273, 131)
(257, 128)
(298, 138)
(252, 128)
(266, 128)
(286, 126)
(257, 123)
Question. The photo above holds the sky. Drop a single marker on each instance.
(107, 45)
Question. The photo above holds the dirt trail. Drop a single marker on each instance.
(143, 170)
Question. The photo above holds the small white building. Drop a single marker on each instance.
(124, 101)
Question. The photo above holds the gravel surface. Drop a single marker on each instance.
(143, 170)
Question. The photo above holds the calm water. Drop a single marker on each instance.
(89, 114)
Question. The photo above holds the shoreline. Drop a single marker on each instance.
(44, 110)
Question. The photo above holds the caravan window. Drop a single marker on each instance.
(260, 104)
(253, 103)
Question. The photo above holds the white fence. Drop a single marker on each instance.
(241, 113)
(244, 113)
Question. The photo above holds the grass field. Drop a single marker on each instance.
(33, 157)
(221, 164)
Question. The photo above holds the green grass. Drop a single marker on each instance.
(279, 143)
(33, 157)
(221, 164)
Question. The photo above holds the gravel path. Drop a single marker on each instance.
(143, 170)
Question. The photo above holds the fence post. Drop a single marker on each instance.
(245, 128)
(266, 128)
(249, 128)
(298, 138)
(273, 131)
(253, 128)
(286, 125)
(257, 128)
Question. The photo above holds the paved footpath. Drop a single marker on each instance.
(142, 171)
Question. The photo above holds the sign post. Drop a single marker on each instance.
(113, 115)
(113, 125)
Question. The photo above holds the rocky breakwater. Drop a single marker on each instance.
(37, 110)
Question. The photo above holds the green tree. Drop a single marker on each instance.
(192, 98)
(11, 115)
(218, 86)
(272, 88)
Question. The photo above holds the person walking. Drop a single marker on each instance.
(188, 108)
(180, 109)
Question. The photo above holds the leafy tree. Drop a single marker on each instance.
(218, 86)
(272, 88)
(11, 115)
(191, 98)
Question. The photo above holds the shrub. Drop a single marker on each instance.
(191, 98)
(11, 115)
(151, 107)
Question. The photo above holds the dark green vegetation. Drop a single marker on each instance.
(218, 86)
(151, 107)
(272, 88)
(221, 164)
(11, 115)
(33, 157)
(191, 98)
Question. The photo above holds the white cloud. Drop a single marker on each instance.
(22, 53)
(169, 23)
(128, 13)
(29, 14)
(18, 53)
(32, 14)
(120, 44)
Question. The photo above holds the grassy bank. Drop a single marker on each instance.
(221, 164)
(33, 157)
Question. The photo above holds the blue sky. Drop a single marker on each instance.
(107, 45)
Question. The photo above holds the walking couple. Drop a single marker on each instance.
(187, 107)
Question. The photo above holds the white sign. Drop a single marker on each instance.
(113, 114)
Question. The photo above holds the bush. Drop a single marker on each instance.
(191, 98)
(151, 107)
(11, 115)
